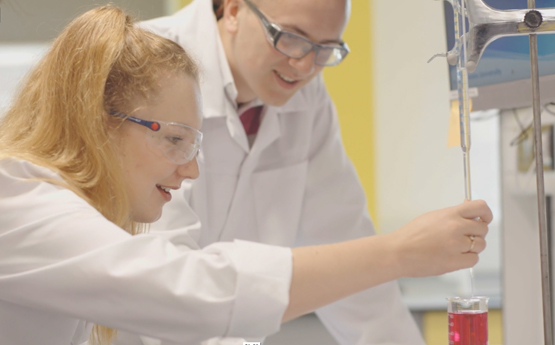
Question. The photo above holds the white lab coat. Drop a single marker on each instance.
(64, 266)
(294, 187)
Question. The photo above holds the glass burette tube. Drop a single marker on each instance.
(464, 107)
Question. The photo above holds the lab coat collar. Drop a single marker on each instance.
(198, 33)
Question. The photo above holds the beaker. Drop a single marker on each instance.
(468, 320)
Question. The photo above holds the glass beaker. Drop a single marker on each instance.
(468, 320)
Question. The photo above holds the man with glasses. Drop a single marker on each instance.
(273, 168)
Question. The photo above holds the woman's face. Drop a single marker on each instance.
(150, 175)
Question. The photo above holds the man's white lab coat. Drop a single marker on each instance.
(63, 267)
(294, 187)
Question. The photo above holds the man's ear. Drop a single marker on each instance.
(230, 20)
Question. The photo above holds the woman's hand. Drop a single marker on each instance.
(442, 241)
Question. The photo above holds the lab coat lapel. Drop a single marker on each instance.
(241, 221)
(218, 90)
(269, 131)
(236, 131)
(208, 52)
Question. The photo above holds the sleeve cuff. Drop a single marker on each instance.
(264, 279)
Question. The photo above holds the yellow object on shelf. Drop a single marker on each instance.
(183, 3)
(454, 134)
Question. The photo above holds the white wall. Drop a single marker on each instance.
(39, 20)
(15, 61)
(416, 171)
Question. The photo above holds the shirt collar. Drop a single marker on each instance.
(248, 105)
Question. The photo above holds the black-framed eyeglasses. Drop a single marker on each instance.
(296, 46)
(178, 142)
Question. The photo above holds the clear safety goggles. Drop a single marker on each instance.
(296, 46)
(179, 142)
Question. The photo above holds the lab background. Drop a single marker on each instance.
(394, 110)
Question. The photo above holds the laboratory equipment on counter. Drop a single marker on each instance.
(485, 25)
(468, 320)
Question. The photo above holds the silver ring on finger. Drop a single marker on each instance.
(471, 237)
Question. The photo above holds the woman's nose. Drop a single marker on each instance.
(189, 170)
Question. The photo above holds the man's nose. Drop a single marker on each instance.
(304, 65)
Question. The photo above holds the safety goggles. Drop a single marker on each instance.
(296, 46)
(180, 143)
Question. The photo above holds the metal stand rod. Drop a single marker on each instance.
(544, 245)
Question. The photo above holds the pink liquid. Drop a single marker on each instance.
(468, 328)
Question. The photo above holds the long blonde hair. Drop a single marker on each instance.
(59, 119)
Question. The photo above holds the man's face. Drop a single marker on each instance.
(258, 68)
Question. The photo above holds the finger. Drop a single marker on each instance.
(475, 227)
(467, 244)
(476, 209)
(472, 246)
(479, 245)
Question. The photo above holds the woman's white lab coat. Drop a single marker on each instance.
(295, 186)
(64, 266)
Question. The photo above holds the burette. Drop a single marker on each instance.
(458, 54)
(462, 90)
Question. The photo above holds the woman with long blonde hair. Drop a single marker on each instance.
(104, 127)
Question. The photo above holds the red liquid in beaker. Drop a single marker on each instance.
(468, 328)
